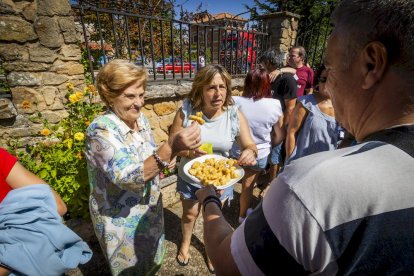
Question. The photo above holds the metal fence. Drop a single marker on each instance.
(167, 48)
(313, 34)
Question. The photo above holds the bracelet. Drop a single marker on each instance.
(160, 163)
(212, 198)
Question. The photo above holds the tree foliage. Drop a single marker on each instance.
(314, 24)
(126, 33)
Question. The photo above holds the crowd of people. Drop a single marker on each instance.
(327, 209)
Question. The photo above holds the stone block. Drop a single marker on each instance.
(68, 28)
(166, 121)
(154, 122)
(48, 30)
(53, 78)
(26, 66)
(70, 52)
(16, 29)
(29, 12)
(284, 33)
(148, 112)
(7, 7)
(28, 100)
(294, 24)
(53, 7)
(165, 108)
(42, 54)
(11, 52)
(159, 135)
(29, 130)
(49, 94)
(54, 116)
(7, 109)
(68, 68)
(23, 78)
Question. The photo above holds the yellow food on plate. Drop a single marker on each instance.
(213, 171)
(198, 118)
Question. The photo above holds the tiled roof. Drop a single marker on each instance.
(221, 16)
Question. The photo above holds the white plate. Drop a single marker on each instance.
(197, 183)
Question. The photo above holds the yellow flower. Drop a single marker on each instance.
(45, 132)
(26, 104)
(73, 98)
(79, 136)
(79, 94)
(87, 122)
(92, 89)
(70, 86)
(79, 156)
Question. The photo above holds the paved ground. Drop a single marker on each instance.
(172, 214)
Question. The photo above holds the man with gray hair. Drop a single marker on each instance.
(283, 89)
(347, 211)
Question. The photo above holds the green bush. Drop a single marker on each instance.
(59, 157)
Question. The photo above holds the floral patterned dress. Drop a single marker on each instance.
(126, 212)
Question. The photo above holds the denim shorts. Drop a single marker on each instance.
(275, 155)
(187, 191)
(261, 165)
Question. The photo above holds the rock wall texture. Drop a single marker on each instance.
(40, 53)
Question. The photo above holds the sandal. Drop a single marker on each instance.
(180, 262)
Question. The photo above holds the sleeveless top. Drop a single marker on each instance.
(221, 132)
(319, 132)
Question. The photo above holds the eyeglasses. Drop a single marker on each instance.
(322, 79)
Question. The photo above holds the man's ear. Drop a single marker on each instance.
(375, 58)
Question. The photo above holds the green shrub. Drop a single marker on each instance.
(59, 157)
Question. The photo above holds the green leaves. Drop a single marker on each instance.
(59, 157)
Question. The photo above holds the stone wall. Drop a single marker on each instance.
(40, 54)
(283, 27)
(39, 48)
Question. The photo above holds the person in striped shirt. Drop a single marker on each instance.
(350, 210)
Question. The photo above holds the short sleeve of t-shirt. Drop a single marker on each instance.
(7, 162)
(290, 87)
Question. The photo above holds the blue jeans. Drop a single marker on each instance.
(260, 165)
(187, 191)
(275, 155)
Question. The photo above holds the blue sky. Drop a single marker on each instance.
(216, 6)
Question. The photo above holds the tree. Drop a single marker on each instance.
(130, 36)
(314, 25)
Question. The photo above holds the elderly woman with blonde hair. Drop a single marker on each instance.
(123, 165)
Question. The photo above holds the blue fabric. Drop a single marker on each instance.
(188, 191)
(319, 132)
(275, 155)
(261, 164)
(33, 239)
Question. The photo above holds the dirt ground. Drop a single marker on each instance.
(172, 215)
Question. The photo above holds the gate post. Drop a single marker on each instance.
(283, 29)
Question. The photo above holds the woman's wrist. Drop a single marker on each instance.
(253, 149)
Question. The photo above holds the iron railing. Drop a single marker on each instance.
(313, 34)
(168, 48)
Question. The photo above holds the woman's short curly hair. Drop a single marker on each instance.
(203, 78)
(116, 76)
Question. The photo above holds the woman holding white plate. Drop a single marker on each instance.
(210, 94)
